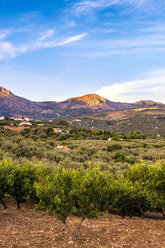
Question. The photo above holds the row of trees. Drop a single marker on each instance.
(85, 193)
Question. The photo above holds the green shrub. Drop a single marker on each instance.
(5, 179)
(114, 147)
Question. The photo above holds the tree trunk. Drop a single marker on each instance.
(123, 213)
(70, 232)
(79, 226)
(140, 211)
(3, 203)
(18, 204)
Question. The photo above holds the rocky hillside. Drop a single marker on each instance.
(12, 105)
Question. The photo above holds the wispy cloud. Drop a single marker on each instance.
(54, 43)
(70, 24)
(10, 50)
(137, 42)
(85, 6)
(6, 50)
(140, 45)
(154, 28)
(46, 35)
(152, 86)
(2, 36)
(4, 33)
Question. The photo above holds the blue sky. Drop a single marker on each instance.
(55, 49)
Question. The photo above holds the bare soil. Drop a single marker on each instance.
(35, 229)
(18, 129)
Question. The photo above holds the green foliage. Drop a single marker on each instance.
(152, 179)
(85, 192)
(92, 192)
(23, 179)
(114, 147)
(130, 198)
(62, 123)
(5, 179)
(72, 191)
(116, 138)
(119, 157)
(56, 193)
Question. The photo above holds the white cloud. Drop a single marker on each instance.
(85, 6)
(9, 50)
(150, 88)
(2, 36)
(142, 45)
(4, 33)
(142, 41)
(46, 35)
(6, 50)
(70, 24)
(71, 39)
(154, 29)
(54, 43)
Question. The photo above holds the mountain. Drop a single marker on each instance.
(12, 105)
(147, 103)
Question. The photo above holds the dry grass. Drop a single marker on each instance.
(18, 129)
(28, 228)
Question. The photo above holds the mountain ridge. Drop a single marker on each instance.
(12, 105)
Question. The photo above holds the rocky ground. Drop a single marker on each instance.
(35, 229)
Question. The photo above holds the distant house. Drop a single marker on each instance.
(21, 118)
(2, 117)
(77, 120)
(63, 147)
(27, 119)
(25, 124)
(57, 130)
(17, 119)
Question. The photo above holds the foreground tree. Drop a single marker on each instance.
(55, 192)
(23, 179)
(66, 192)
(5, 180)
(130, 199)
(151, 179)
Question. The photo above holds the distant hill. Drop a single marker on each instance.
(147, 103)
(12, 105)
(148, 120)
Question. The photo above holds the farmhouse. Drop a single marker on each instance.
(25, 124)
(63, 147)
(57, 130)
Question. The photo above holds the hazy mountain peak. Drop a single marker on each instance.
(5, 92)
(90, 99)
(146, 103)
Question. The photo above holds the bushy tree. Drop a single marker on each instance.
(56, 194)
(151, 178)
(22, 182)
(5, 179)
(78, 192)
(129, 198)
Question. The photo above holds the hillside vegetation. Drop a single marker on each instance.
(147, 120)
(79, 174)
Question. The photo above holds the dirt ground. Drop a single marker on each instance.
(18, 129)
(35, 229)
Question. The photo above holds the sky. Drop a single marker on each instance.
(55, 49)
